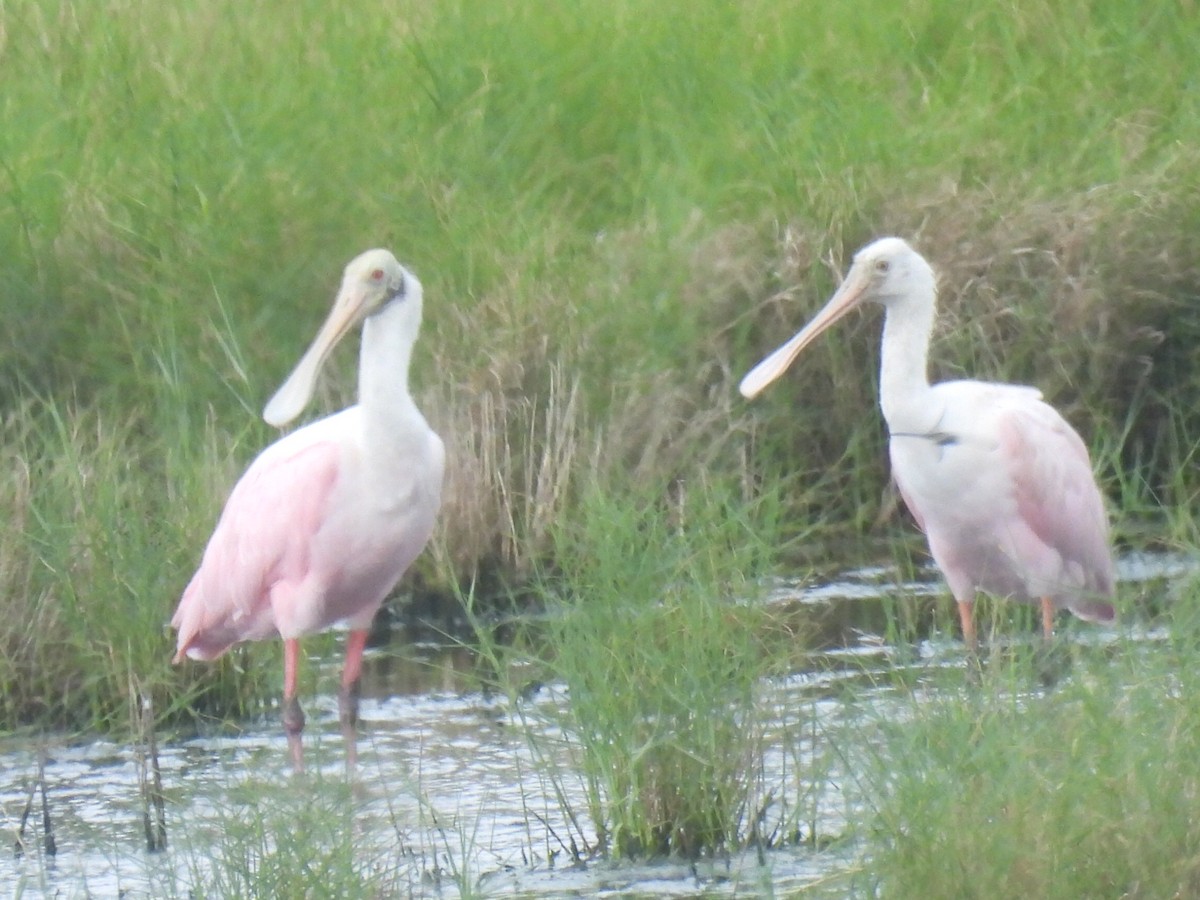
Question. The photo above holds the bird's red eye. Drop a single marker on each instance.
(377, 274)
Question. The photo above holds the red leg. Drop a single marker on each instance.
(293, 715)
(355, 644)
(967, 618)
(1047, 618)
(348, 695)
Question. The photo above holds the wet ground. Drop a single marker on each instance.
(457, 789)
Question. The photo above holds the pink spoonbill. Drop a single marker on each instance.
(325, 521)
(999, 482)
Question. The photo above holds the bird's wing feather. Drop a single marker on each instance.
(263, 537)
(1055, 490)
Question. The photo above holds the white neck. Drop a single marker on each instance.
(387, 343)
(904, 364)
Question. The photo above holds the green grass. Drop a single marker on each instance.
(271, 843)
(92, 549)
(615, 211)
(323, 835)
(662, 666)
(1086, 789)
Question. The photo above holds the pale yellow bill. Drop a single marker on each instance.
(844, 300)
(289, 401)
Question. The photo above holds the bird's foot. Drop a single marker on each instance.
(974, 667)
(348, 716)
(293, 726)
(348, 704)
(1051, 661)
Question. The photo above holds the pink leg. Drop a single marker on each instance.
(1047, 618)
(293, 715)
(967, 618)
(348, 695)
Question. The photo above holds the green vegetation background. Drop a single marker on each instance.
(616, 209)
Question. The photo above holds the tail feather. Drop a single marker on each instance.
(1099, 611)
(204, 647)
(201, 635)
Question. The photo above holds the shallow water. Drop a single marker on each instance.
(457, 788)
(447, 784)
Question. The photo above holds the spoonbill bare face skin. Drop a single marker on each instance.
(999, 482)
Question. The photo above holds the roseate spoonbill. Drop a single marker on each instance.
(1001, 485)
(325, 521)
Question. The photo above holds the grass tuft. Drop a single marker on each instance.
(650, 628)
(1085, 790)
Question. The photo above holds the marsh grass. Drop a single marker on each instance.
(651, 628)
(239, 831)
(88, 549)
(261, 841)
(615, 213)
(1005, 788)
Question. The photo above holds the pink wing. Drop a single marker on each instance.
(263, 538)
(1058, 500)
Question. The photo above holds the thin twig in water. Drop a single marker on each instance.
(154, 816)
(50, 845)
(47, 828)
(19, 844)
(571, 851)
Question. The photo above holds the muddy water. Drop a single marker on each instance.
(456, 788)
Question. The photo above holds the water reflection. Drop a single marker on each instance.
(450, 784)
(424, 668)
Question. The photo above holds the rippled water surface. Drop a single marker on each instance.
(456, 788)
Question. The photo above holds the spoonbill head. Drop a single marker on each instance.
(888, 272)
(371, 281)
